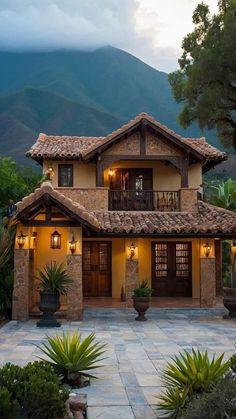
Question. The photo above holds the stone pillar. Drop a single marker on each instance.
(75, 294)
(188, 200)
(218, 255)
(131, 279)
(23, 261)
(208, 282)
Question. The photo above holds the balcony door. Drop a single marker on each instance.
(132, 190)
(97, 280)
(172, 269)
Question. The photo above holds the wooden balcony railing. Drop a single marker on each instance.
(137, 200)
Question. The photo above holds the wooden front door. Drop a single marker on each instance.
(97, 269)
(172, 269)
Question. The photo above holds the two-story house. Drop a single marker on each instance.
(119, 209)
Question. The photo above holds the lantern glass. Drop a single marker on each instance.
(132, 248)
(72, 244)
(21, 239)
(111, 173)
(207, 249)
(55, 240)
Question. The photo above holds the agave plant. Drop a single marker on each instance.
(53, 278)
(189, 374)
(73, 357)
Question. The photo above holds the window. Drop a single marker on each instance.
(65, 175)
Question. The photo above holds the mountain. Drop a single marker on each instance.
(79, 92)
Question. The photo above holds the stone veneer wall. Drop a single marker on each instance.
(188, 200)
(131, 279)
(91, 199)
(23, 271)
(75, 294)
(208, 282)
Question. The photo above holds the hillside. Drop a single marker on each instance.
(79, 92)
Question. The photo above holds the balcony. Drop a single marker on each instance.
(136, 200)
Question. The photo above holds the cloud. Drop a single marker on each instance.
(150, 29)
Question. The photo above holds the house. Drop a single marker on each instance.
(119, 209)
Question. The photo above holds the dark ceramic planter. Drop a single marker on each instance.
(49, 303)
(141, 305)
(229, 300)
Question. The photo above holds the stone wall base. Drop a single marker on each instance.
(131, 279)
(208, 283)
(75, 294)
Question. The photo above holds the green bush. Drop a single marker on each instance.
(143, 290)
(8, 407)
(54, 279)
(72, 357)
(188, 375)
(218, 403)
(35, 389)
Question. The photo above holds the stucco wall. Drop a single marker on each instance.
(165, 177)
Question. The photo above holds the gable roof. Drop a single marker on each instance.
(72, 147)
(74, 207)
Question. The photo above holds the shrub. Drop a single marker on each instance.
(218, 403)
(35, 389)
(71, 356)
(8, 407)
(54, 279)
(189, 374)
(143, 290)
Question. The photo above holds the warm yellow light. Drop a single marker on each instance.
(72, 244)
(132, 248)
(21, 239)
(55, 240)
(111, 173)
(207, 249)
(233, 246)
(49, 172)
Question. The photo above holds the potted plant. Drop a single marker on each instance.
(141, 300)
(229, 292)
(54, 282)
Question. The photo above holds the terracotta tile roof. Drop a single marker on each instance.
(75, 207)
(207, 220)
(68, 147)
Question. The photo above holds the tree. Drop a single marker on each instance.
(206, 79)
(224, 195)
(15, 182)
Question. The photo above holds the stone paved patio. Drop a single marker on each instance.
(136, 352)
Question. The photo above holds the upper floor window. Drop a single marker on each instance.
(65, 175)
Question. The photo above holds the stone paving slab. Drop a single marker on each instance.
(130, 381)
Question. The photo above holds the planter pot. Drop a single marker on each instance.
(141, 305)
(229, 300)
(49, 304)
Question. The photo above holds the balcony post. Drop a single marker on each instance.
(99, 178)
(184, 173)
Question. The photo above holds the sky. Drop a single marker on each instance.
(152, 30)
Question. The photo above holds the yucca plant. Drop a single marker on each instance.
(53, 278)
(189, 374)
(72, 357)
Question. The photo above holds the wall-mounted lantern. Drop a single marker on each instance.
(233, 246)
(111, 173)
(49, 172)
(207, 249)
(72, 244)
(55, 240)
(21, 239)
(132, 248)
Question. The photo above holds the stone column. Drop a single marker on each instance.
(188, 200)
(218, 255)
(131, 279)
(23, 260)
(208, 282)
(75, 294)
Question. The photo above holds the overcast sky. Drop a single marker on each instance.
(152, 30)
